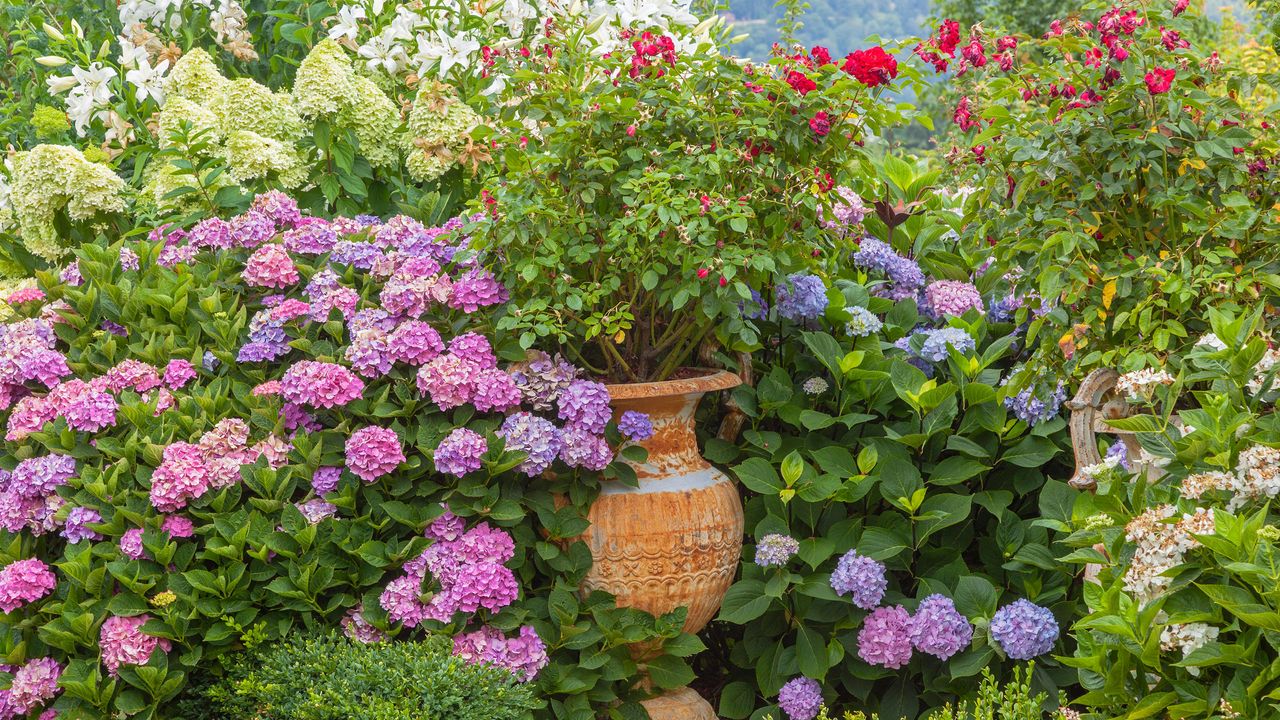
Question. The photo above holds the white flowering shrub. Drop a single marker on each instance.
(1180, 586)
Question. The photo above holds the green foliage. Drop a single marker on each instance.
(1132, 212)
(1014, 701)
(1199, 639)
(642, 211)
(327, 677)
(927, 473)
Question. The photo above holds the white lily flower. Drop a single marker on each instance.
(405, 22)
(382, 51)
(59, 85)
(148, 80)
(348, 25)
(514, 13)
(131, 55)
(448, 50)
(95, 81)
(81, 108)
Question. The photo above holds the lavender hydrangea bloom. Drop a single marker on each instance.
(523, 655)
(362, 255)
(1002, 310)
(585, 404)
(1120, 452)
(128, 259)
(40, 476)
(77, 526)
(939, 629)
(543, 379)
(315, 510)
(584, 449)
(209, 361)
(884, 639)
(460, 452)
(635, 426)
(935, 344)
(800, 698)
(537, 437)
(861, 577)
(905, 274)
(846, 211)
(1036, 404)
(802, 297)
(774, 550)
(325, 479)
(1024, 629)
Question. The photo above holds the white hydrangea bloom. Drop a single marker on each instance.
(1141, 384)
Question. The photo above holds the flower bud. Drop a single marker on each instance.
(53, 32)
(51, 60)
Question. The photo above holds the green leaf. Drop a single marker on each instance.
(811, 653)
(669, 671)
(1031, 452)
(744, 602)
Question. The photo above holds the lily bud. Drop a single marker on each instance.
(706, 25)
(595, 25)
(75, 27)
(53, 32)
(51, 61)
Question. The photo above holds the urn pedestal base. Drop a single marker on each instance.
(680, 704)
(676, 539)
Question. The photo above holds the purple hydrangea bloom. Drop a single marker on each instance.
(77, 525)
(251, 229)
(447, 527)
(802, 296)
(315, 510)
(861, 577)
(774, 550)
(131, 544)
(209, 361)
(460, 452)
(253, 352)
(314, 237)
(1036, 403)
(279, 207)
(800, 698)
(884, 639)
(635, 426)
(367, 220)
(1120, 452)
(1024, 629)
(363, 255)
(585, 404)
(537, 437)
(904, 274)
(210, 233)
(40, 476)
(370, 353)
(939, 629)
(476, 289)
(846, 211)
(1002, 310)
(581, 448)
(325, 479)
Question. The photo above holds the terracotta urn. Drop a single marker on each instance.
(676, 539)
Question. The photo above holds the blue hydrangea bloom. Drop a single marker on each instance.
(802, 297)
(1024, 629)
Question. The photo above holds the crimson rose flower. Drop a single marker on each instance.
(820, 123)
(871, 67)
(800, 82)
(1159, 80)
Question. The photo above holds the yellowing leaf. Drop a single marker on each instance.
(1108, 294)
(617, 339)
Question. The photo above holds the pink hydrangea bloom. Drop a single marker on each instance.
(31, 294)
(475, 349)
(952, 297)
(885, 637)
(181, 477)
(476, 289)
(320, 384)
(178, 526)
(373, 452)
(270, 388)
(34, 684)
(414, 342)
(29, 415)
(178, 373)
(270, 267)
(84, 406)
(523, 655)
(23, 582)
(496, 391)
(133, 375)
(123, 642)
(448, 380)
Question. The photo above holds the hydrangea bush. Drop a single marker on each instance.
(1179, 541)
(223, 432)
(895, 488)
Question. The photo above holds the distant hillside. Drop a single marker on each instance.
(843, 25)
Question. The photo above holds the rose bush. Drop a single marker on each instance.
(1128, 173)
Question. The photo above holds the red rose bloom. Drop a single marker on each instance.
(820, 124)
(1159, 80)
(948, 36)
(1180, 7)
(801, 82)
(871, 67)
(821, 56)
